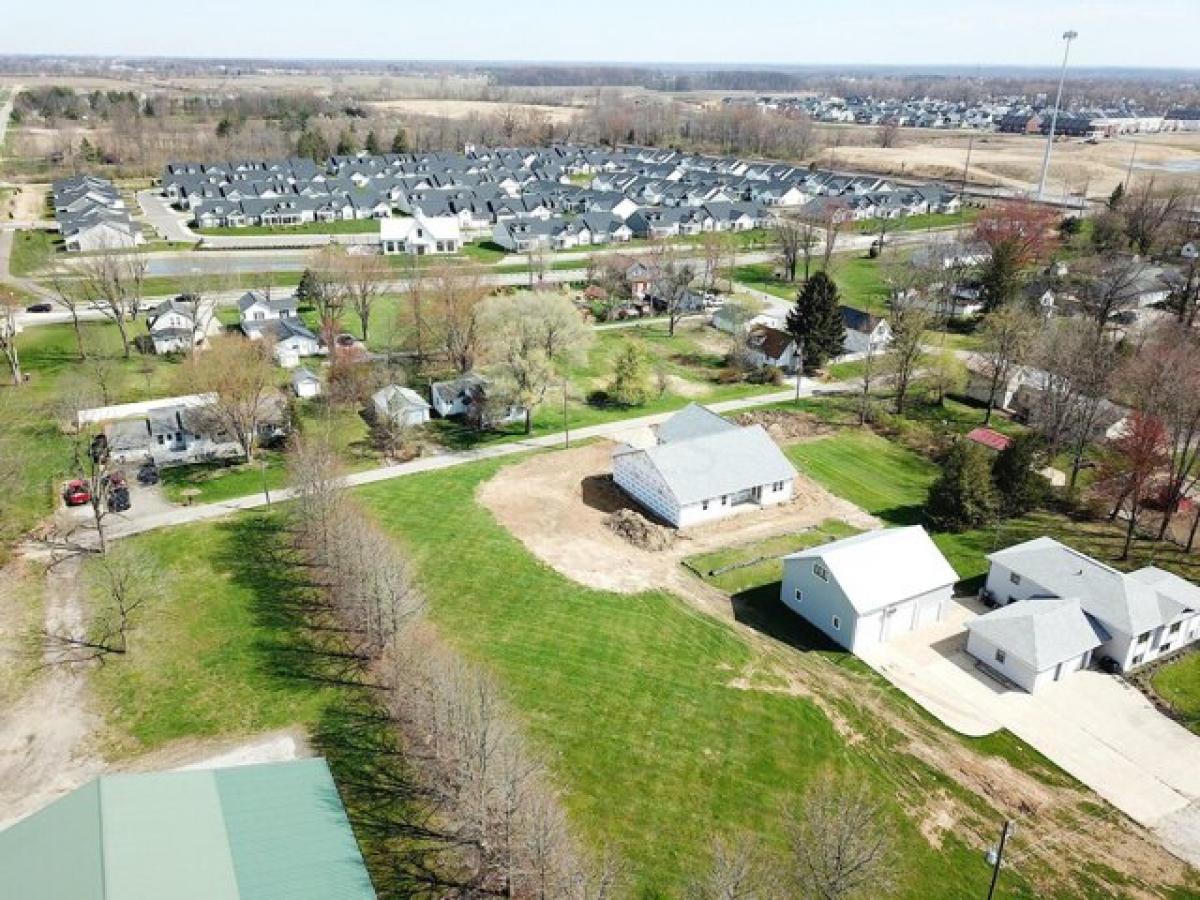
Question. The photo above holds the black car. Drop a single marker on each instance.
(1109, 665)
(148, 474)
(118, 500)
(38, 307)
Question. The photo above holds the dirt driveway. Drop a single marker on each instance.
(1092, 725)
(557, 506)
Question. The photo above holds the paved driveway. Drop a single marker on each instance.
(1092, 725)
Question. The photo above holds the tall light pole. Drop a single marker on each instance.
(1068, 36)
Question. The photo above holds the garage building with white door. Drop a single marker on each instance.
(871, 587)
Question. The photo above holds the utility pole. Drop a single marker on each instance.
(1129, 171)
(1068, 36)
(962, 188)
(566, 425)
(997, 855)
(799, 367)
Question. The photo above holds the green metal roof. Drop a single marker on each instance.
(264, 832)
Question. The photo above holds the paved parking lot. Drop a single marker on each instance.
(1092, 725)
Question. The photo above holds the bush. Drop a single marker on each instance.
(630, 384)
(766, 375)
(963, 497)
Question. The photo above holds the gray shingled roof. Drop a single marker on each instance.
(720, 463)
(1042, 632)
(692, 421)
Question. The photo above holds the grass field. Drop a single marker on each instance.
(32, 251)
(342, 226)
(745, 566)
(859, 280)
(1178, 683)
(629, 699)
(925, 220)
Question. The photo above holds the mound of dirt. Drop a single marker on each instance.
(639, 530)
(785, 426)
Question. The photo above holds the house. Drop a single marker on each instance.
(732, 317)
(703, 468)
(1034, 643)
(869, 588)
(420, 234)
(1140, 615)
(767, 346)
(467, 396)
(257, 306)
(305, 384)
(178, 325)
(291, 340)
(399, 406)
(979, 383)
(169, 430)
(233, 833)
(864, 332)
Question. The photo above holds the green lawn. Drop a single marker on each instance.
(1178, 683)
(745, 566)
(630, 699)
(859, 280)
(342, 226)
(33, 251)
(966, 216)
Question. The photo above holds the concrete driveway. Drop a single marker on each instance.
(1092, 725)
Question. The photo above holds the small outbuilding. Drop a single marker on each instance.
(305, 384)
(399, 406)
(869, 588)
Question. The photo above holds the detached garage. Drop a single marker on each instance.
(870, 587)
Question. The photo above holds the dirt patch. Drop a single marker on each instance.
(937, 818)
(784, 426)
(640, 531)
(686, 388)
(557, 507)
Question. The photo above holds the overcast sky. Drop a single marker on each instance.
(1161, 33)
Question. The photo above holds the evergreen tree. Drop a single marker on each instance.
(400, 141)
(631, 377)
(815, 321)
(1118, 194)
(345, 144)
(1019, 487)
(963, 496)
(307, 289)
(312, 145)
(373, 143)
(1001, 277)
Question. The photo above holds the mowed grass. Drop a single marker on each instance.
(205, 658)
(32, 250)
(745, 566)
(341, 226)
(859, 280)
(1178, 683)
(629, 699)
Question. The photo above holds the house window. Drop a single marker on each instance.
(1000, 656)
(1175, 628)
(821, 572)
(1143, 637)
(724, 499)
(799, 595)
(837, 624)
(1014, 577)
(1164, 648)
(704, 504)
(1137, 660)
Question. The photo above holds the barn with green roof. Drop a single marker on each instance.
(276, 831)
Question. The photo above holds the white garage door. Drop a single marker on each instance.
(928, 611)
(897, 620)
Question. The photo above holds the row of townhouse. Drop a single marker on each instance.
(483, 187)
(91, 214)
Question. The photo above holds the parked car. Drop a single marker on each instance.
(76, 493)
(148, 473)
(118, 499)
(1109, 665)
(38, 308)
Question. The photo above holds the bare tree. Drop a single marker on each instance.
(840, 841)
(9, 308)
(241, 378)
(887, 135)
(112, 282)
(1006, 340)
(736, 873)
(1149, 212)
(795, 239)
(1108, 285)
(673, 280)
(121, 584)
(868, 373)
(70, 297)
(458, 295)
(910, 324)
(364, 275)
(538, 260)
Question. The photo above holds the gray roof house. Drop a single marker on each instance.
(1143, 614)
(704, 468)
(399, 406)
(1034, 643)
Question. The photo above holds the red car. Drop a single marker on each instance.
(76, 493)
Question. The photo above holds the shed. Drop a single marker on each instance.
(865, 589)
(305, 383)
(400, 405)
(987, 437)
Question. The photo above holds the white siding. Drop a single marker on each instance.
(634, 474)
(1019, 671)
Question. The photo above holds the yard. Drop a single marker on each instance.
(33, 251)
(1178, 683)
(341, 226)
(859, 280)
(965, 216)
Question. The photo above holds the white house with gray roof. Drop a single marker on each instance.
(871, 587)
(703, 468)
(1143, 614)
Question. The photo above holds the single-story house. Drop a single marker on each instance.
(767, 346)
(420, 234)
(467, 396)
(865, 332)
(703, 468)
(230, 833)
(1036, 642)
(305, 384)
(400, 406)
(292, 339)
(1142, 614)
(979, 383)
(866, 589)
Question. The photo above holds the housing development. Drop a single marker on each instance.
(556, 481)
